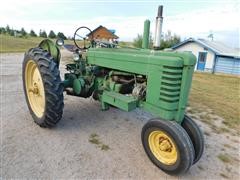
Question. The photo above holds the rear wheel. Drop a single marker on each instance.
(195, 135)
(168, 146)
(42, 87)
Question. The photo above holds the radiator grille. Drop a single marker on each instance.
(170, 84)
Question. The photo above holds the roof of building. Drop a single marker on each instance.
(217, 47)
(112, 31)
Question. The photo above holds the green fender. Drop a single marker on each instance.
(50, 46)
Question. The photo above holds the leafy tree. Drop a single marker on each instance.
(23, 32)
(2, 30)
(12, 32)
(167, 42)
(137, 42)
(43, 34)
(150, 41)
(33, 34)
(7, 29)
(61, 35)
(52, 34)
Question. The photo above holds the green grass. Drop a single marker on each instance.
(14, 44)
(224, 175)
(125, 44)
(220, 93)
(94, 139)
(17, 44)
(225, 158)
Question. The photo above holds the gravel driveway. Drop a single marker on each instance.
(87, 142)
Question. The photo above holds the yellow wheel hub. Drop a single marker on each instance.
(34, 88)
(163, 147)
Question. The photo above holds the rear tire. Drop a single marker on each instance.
(168, 146)
(195, 135)
(43, 87)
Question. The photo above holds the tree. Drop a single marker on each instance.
(167, 42)
(2, 30)
(171, 41)
(33, 34)
(52, 34)
(137, 42)
(12, 32)
(7, 29)
(43, 34)
(23, 32)
(61, 35)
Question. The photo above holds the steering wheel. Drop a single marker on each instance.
(83, 37)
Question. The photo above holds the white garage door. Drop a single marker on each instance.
(228, 65)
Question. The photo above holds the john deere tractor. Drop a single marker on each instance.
(127, 78)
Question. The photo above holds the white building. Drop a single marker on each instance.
(212, 56)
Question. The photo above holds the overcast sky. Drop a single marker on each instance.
(188, 18)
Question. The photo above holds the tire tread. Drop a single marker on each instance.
(53, 86)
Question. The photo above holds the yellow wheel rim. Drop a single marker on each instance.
(34, 88)
(163, 147)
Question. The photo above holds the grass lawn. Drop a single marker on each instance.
(220, 93)
(16, 44)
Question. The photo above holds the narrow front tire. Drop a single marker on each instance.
(168, 146)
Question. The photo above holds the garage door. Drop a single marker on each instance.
(228, 65)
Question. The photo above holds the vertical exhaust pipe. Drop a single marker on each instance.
(158, 28)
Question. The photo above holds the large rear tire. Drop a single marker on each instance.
(195, 135)
(42, 87)
(168, 146)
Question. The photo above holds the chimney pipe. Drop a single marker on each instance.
(158, 28)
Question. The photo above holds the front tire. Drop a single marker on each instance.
(168, 146)
(195, 135)
(42, 87)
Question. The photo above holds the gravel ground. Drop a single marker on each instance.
(28, 151)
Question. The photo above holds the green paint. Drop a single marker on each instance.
(123, 102)
(78, 85)
(169, 76)
(50, 46)
(145, 42)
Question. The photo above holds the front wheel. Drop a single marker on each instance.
(42, 87)
(195, 135)
(168, 146)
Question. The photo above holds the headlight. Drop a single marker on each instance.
(76, 56)
(60, 42)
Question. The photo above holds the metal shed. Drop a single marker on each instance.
(227, 64)
(212, 56)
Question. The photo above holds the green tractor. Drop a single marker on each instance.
(156, 81)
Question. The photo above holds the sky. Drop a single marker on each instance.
(186, 18)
